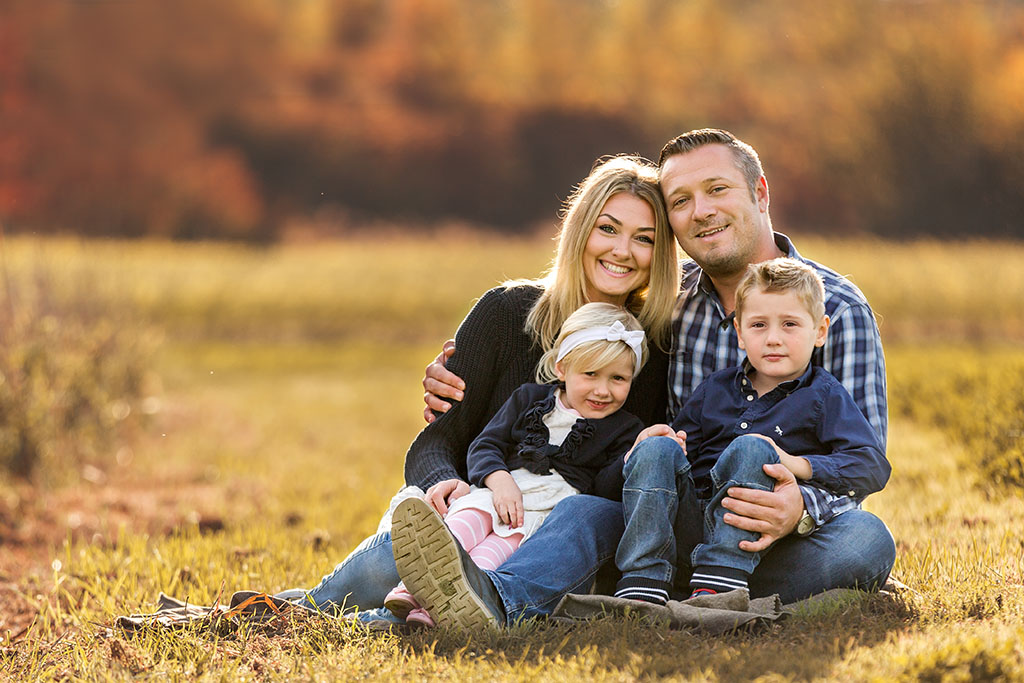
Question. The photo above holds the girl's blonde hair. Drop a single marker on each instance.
(565, 283)
(592, 354)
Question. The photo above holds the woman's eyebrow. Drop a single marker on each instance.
(611, 218)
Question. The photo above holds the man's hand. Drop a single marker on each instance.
(773, 514)
(657, 430)
(799, 466)
(508, 499)
(439, 384)
(443, 493)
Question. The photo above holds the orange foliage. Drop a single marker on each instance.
(231, 117)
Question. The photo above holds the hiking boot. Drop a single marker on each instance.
(442, 576)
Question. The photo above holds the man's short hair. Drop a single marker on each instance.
(780, 275)
(746, 158)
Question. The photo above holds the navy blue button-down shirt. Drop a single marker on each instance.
(812, 416)
(704, 341)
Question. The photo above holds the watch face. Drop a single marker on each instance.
(805, 525)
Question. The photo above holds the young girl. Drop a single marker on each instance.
(548, 441)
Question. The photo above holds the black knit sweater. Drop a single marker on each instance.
(494, 355)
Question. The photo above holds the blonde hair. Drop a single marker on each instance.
(783, 274)
(565, 283)
(593, 354)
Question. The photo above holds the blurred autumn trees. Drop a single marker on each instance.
(236, 118)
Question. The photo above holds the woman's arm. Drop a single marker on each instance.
(494, 357)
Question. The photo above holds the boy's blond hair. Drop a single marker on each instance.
(592, 354)
(783, 274)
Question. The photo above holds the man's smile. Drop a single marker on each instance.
(712, 231)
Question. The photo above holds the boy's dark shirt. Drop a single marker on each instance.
(590, 457)
(817, 419)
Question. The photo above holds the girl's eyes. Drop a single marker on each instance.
(645, 239)
(610, 229)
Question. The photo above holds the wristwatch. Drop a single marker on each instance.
(806, 525)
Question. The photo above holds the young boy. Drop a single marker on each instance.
(774, 408)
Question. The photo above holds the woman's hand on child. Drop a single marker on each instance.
(658, 430)
(508, 499)
(443, 493)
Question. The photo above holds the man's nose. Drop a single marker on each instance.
(703, 207)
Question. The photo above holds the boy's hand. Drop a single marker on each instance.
(508, 499)
(799, 466)
(443, 493)
(658, 430)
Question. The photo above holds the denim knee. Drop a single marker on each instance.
(658, 459)
(742, 462)
(871, 564)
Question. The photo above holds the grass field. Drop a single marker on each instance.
(288, 391)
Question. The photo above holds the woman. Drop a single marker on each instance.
(616, 247)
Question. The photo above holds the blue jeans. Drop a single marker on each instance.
(665, 521)
(669, 529)
(362, 580)
(530, 582)
(853, 550)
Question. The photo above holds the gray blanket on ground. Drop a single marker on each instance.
(711, 614)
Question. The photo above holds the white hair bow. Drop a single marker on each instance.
(614, 332)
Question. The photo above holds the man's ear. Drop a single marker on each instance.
(736, 326)
(761, 194)
(822, 331)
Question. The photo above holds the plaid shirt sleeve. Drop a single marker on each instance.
(853, 354)
(823, 506)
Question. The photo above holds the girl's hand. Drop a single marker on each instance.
(658, 430)
(443, 493)
(508, 499)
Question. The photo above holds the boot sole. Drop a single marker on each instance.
(429, 562)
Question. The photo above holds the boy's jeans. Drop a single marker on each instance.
(669, 529)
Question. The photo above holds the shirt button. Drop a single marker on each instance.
(750, 397)
(852, 493)
(743, 425)
(744, 382)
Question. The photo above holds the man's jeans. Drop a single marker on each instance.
(852, 550)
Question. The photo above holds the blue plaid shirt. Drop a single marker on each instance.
(704, 341)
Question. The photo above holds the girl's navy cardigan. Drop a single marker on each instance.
(590, 457)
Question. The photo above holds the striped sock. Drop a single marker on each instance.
(717, 580)
(645, 590)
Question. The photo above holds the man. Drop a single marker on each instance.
(717, 199)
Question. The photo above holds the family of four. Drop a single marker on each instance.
(706, 436)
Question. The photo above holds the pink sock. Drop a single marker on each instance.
(495, 549)
(469, 527)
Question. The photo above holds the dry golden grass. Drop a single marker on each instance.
(300, 429)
